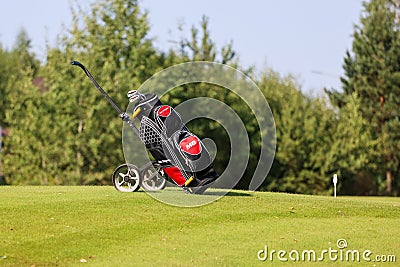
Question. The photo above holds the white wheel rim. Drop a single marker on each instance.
(155, 184)
(127, 186)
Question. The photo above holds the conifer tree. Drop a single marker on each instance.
(372, 71)
(21, 104)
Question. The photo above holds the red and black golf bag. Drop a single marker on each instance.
(182, 155)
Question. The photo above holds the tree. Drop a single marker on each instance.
(305, 133)
(199, 46)
(20, 103)
(202, 48)
(22, 56)
(12, 62)
(5, 65)
(354, 150)
(372, 71)
(112, 41)
(24, 147)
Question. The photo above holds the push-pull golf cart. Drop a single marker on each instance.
(178, 154)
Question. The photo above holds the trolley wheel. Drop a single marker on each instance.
(126, 178)
(152, 180)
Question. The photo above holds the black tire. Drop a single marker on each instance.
(127, 178)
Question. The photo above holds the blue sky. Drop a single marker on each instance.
(305, 38)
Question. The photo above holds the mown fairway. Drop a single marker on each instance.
(98, 226)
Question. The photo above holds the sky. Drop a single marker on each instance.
(306, 39)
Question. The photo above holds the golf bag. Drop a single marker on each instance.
(181, 154)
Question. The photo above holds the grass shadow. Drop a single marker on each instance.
(209, 192)
(225, 193)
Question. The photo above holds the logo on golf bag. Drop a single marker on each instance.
(164, 111)
(191, 145)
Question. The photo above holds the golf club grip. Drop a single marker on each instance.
(77, 63)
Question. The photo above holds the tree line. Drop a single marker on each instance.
(62, 132)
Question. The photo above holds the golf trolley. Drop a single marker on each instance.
(178, 154)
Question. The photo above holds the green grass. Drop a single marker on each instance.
(60, 226)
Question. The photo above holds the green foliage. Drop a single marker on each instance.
(305, 133)
(202, 48)
(5, 65)
(19, 107)
(23, 147)
(354, 149)
(21, 55)
(11, 64)
(371, 71)
(63, 132)
(112, 41)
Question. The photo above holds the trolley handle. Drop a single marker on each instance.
(122, 115)
(77, 63)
